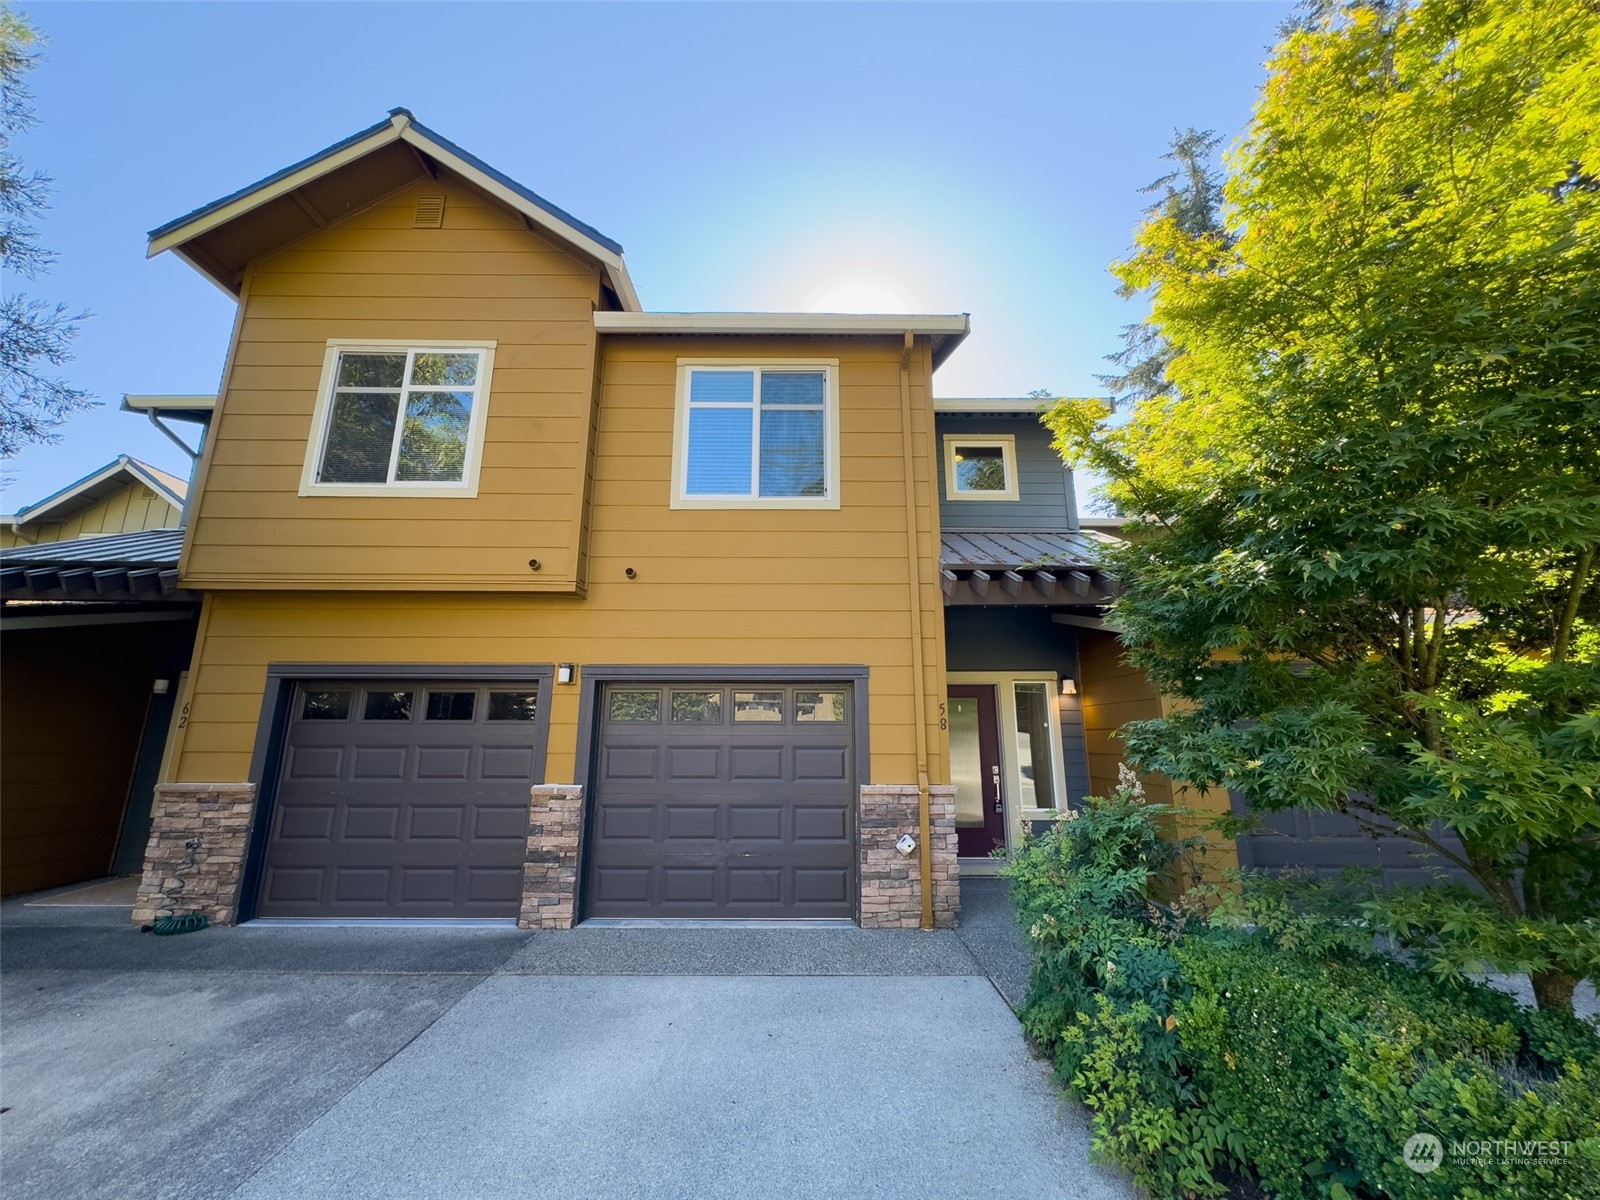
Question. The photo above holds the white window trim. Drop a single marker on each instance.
(830, 435)
(1010, 763)
(1008, 455)
(467, 488)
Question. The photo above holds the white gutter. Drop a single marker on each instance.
(989, 404)
(835, 324)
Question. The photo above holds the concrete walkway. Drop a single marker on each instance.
(362, 1062)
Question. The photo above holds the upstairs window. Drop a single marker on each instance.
(981, 467)
(399, 419)
(756, 435)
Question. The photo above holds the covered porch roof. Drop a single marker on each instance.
(1019, 566)
(138, 566)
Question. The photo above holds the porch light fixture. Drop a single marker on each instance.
(564, 673)
(1069, 686)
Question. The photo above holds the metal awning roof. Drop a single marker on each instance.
(1025, 566)
(123, 566)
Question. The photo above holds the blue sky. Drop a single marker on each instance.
(864, 157)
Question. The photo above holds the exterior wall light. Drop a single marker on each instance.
(564, 673)
(1069, 686)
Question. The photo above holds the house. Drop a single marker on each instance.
(522, 602)
(96, 636)
(124, 496)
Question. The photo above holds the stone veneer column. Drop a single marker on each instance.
(891, 883)
(550, 876)
(199, 834)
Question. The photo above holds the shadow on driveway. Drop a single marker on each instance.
(362, 1062)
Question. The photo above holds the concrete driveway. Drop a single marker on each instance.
(380, 1062)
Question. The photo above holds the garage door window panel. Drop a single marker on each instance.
(451, 706)
(758, 706)
(513, 706)
(635, 706)
(822, 707)
(326, 706)
(697, 708)
(387, 706)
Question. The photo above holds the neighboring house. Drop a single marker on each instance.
(521, 602)
(124, 496)
(95, 635)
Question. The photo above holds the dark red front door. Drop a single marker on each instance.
(975, 770)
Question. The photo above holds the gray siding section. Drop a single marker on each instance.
(1327, 843)
(1002, 639)
(1043, 484)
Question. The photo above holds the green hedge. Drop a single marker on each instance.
(1211, 1054)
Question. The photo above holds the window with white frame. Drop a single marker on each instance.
(757, 435)
(981, 467)
(1037, 740)
(400, 418)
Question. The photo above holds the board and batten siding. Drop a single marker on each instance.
(1042, 478)
(131, 510)
(712, 587)
(484, 277)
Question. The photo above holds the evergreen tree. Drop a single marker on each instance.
(35, 335)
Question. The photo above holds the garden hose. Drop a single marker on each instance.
(170, 923)
(187, 923)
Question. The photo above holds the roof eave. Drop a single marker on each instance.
(175, 408)
(946, 329)
(400, 126)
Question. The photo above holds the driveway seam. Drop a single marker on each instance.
(268, 1159)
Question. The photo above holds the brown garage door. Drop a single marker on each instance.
(401, 799)
(723, 801)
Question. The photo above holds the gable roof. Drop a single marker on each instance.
(313, 192)
(97, 486)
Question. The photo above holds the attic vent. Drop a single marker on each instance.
(430, 213)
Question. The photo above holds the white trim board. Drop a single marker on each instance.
(681, 499)
(466, 488)
(815, 324)
(137, 403)
(1007, 444)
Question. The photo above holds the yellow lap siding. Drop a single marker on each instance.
(1114, 694)
(247, 631)
(482, 278)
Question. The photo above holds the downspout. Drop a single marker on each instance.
(919, 682)
(194, 455)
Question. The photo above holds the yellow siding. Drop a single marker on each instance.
(1115, 693)
(130, 510)
(484, 276)
(789, 587)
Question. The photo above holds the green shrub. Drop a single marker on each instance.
(1280, 1049)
